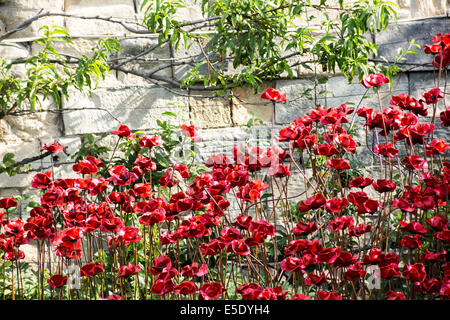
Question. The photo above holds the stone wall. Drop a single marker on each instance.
(139, 104)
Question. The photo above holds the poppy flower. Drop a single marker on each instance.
(304, 228)
(190, 131)
(415, 162)
(354, 273)
(309, 141)
(128, 270)
(185, 288)
(326, 149)
(7, 203)
(91, 269)
(432, 96)
(276, 293)
(442, 58)
(412, 227)
(194, 270)
(340, 223)
(383, 185)
(437, 146)
(42, 180)
(433, 256)
(144, 163)
(444, 291)
(386, 150)
(249, 291)
(445, 117)
(292, 263)
(229, 234)
(315, 202)
(122, 131)
(392, 295)
(239, 247)
(369, 206)
(357, 198)
(328, 255)
(120, 176)
(415, 272)
(389, 271)
(299, 296)
(252, 191)
(360, 182)
(211, 291)
(279, 171)
(428, 286)
(262, 227)
(330, 295)
(212, 248)
(411, 242)
(338, 164)
(150, 218)
(162, 286)
(357, 231)
(314, 279)
(374, 80)
(55, 147)
(346, 142)
(443, 235)
(242, 221)
(273, 95)
(336, 205)
(57, 280)
(112, 297)
(437, 222)
(146, 142)
(88, 165)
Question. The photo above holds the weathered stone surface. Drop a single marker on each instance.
(36, 4)
(13, 16)
(192, 12)
(247, 104)
(344, 92)
(156, 62)
(430, 8)
(16, 129)
(421, 82)
(222, 140)
(117, 9)
(210, 112)
(297, 102)
(14, 51)
(72, 145)
(400, 35)
(404, 11)
(137, 107)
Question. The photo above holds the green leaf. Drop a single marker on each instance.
(169, 114)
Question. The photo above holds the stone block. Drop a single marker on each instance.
(157, 61)
(210, 112)
(299, 98)
(400, 35)
(53, 5)
(430, 8)
(117, 9)
(137, 107)
(14, 51)
(248, 104)
(13, 17)
(344, 92)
